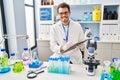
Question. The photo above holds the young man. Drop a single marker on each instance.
(65, 33)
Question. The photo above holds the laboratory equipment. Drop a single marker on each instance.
(106, 71)
(105, 15)
(96, 38)
(4, 58)
(59, 65)
(34, 56)
(110, 15)
(111, 72)
(26, 57)
(35, 64)
(15, 37)
(91, 61)
(4, 70)
(115, 69)
(115, 15)
(85, 16)
(90, 16)
(106, 77)
(4, 61)
(33, 73)
(87, 33)
(96, 14)
(12, 59)
(106, 67)
(18, 67)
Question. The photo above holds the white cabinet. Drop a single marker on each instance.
(116, 53)
(103, 52)
(44, 51)
(107, 51)
(116, 50)
(110, 23)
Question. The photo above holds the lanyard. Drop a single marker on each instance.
(66, 31)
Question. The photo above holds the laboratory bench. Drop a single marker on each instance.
(78, 72)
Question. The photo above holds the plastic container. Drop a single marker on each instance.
(12, 59)
(26, 57)
(59, 65)
(3, 58)
(90, 16)
(4, 68)
(96, 14)
(85, 16)
(35, 64)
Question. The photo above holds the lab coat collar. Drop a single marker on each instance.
(60, 23)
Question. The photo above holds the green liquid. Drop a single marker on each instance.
(4, 61)
(115, 73)
(112, 69)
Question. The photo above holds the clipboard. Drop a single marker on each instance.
(74, 46)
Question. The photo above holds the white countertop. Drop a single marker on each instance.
(78, 72)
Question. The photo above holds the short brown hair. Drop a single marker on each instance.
(63, 5)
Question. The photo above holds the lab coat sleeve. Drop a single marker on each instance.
(54, 46)
(83, 47)
(81, 36)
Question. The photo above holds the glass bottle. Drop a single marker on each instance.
(90, 16)
(85, 16)
(110, 15)
(12, 59)
(106, 68)
(4, 61)
(26, 57)
(105, 15)
(115, 15)
(3, 58)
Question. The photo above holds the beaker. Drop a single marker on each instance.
(106, 68)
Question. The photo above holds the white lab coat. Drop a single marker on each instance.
(75, 35)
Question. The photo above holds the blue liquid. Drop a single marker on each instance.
(4, 70)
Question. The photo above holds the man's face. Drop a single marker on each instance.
(64, 15)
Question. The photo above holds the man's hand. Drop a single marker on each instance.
(67, 45)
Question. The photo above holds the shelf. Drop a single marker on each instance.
(77, 11)
(110, 21)
(81, 4)
(111, 4)
(108, 41)
(88, 22)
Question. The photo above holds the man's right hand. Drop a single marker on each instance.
(66, 46)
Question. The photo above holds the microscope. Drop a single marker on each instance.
(91, 62)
